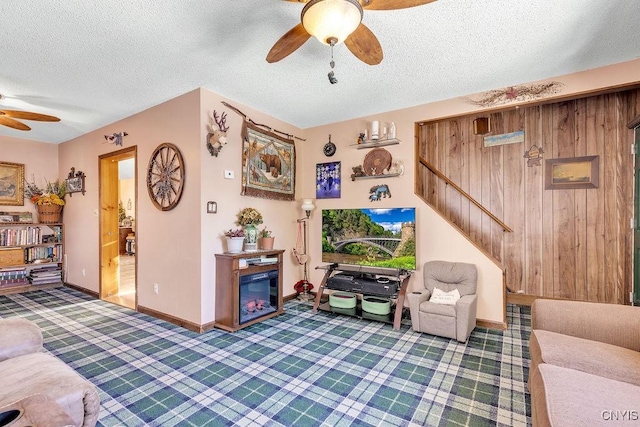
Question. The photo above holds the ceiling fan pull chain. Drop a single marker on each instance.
(332, 64)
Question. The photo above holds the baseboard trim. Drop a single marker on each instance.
(175, 320)
(91, 293)
(527, 299)
(187, 324)
(491, 324)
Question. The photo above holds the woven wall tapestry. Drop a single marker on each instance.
(268, 164)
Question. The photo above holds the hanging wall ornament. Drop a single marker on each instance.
(521, 93)
(217, 138)
(165, 176)
(116, 138)
(534, 156)
(377, 192)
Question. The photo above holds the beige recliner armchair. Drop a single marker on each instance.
(446, 318)
(48, 391)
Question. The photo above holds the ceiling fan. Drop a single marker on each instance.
(8, 118)
(336, 21)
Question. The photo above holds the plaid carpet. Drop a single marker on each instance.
(298, 369)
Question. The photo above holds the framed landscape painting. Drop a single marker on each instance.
(572, 173)
(11, 184)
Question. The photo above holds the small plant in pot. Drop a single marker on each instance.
(238, 232)
(235, 239)
(266, 239)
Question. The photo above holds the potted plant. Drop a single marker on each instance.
(266, 239)
(249, 218)
(235, 238)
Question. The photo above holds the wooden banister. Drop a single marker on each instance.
(442, 176)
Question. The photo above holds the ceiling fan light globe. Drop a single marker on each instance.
(331, 19)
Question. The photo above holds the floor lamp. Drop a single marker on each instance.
(307, 207)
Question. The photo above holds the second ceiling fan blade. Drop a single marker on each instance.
(393, 4)
(8, 121)
(364, 45)
(27, 115)
(290, 42)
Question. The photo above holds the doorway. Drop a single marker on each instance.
(118, 215)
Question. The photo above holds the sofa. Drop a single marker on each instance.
(30, 377)
(585, 363)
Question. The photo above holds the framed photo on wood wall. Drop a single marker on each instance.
(11, 184)
(572, 173)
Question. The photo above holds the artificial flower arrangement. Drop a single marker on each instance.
(53, 193)
(249, 216)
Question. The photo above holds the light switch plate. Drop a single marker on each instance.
(212, 207)
(228, 174)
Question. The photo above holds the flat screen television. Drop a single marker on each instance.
(370, 237)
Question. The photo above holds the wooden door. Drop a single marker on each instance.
(109, 254)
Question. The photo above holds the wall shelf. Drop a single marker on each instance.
(389, 175)
(376, 143)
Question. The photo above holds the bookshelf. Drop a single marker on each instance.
(31, 256)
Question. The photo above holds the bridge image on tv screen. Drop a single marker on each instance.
(371, 237)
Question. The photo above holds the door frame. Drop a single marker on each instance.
(635, 287)
(122, 154)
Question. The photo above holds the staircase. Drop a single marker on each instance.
(462, 211)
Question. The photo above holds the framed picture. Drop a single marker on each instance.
(572, 172)
(11, 184)
(328, 180)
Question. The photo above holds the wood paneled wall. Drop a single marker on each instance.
(574, 244)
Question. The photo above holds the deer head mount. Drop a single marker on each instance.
(218, 136)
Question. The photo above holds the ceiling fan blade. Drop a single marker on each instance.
(292, 40)
(392, 4)
(27, 115)
(8, 121)
(364, 45)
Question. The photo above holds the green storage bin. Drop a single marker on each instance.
(343, 300)
(376, 305)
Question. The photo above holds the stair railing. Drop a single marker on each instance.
(442, 176)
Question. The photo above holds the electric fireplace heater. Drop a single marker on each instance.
(258, 295)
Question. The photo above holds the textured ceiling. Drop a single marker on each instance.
(94, 62)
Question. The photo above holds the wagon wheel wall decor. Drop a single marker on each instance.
(165, 176)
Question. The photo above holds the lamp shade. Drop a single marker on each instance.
(331, 19)
(307, 205)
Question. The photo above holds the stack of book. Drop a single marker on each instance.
(13, 276)
(16, 217)
(45, 275)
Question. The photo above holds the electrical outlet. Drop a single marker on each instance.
(84, 272)
(155, 288)
(228, 174)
